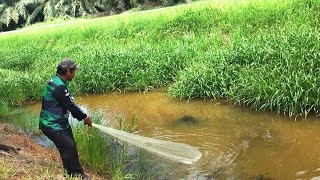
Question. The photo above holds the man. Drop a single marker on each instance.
(57, 104)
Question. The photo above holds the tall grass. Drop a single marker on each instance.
(114, 158)
(251, 52)
(275, 70)
(281, 74)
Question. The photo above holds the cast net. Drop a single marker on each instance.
(175, 151)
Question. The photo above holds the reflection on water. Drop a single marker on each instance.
(236, 143)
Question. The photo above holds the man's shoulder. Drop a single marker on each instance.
(57, 81)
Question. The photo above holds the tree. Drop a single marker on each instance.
(17, 13)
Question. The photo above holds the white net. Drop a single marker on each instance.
(179, 152)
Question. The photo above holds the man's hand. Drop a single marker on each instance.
(87, 121)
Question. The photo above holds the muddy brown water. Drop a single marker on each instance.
(236, 143)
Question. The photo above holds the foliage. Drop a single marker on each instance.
(17, 13)
(202, 50)
(281, 73)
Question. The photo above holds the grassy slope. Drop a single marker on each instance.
(261, 53)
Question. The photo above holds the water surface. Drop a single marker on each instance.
(236, 143)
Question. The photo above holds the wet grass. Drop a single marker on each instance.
(262, 54)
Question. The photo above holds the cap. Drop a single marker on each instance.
(68, 63)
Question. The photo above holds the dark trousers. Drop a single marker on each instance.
(67, 147)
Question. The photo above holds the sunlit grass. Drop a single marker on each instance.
(208, 49)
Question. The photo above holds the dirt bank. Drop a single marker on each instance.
(22, 158)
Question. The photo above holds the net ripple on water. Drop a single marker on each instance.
(218, 150)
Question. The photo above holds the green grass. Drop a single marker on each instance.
(275, 70)
(263, 54)
(114, 158)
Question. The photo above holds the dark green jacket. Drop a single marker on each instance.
(57, 102)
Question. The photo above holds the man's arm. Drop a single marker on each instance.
(62, 95)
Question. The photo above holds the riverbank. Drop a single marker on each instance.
(22, 158)
(259, 54)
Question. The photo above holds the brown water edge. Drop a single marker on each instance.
(236, 143)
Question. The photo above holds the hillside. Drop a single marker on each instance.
(247, 52)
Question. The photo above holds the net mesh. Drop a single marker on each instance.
(179, 152)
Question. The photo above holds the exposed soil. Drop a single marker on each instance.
(22, 158)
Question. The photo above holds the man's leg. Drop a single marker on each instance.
(67, 147)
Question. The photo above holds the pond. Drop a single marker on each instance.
(236, 143)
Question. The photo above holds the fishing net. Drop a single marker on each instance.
(179, 152)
